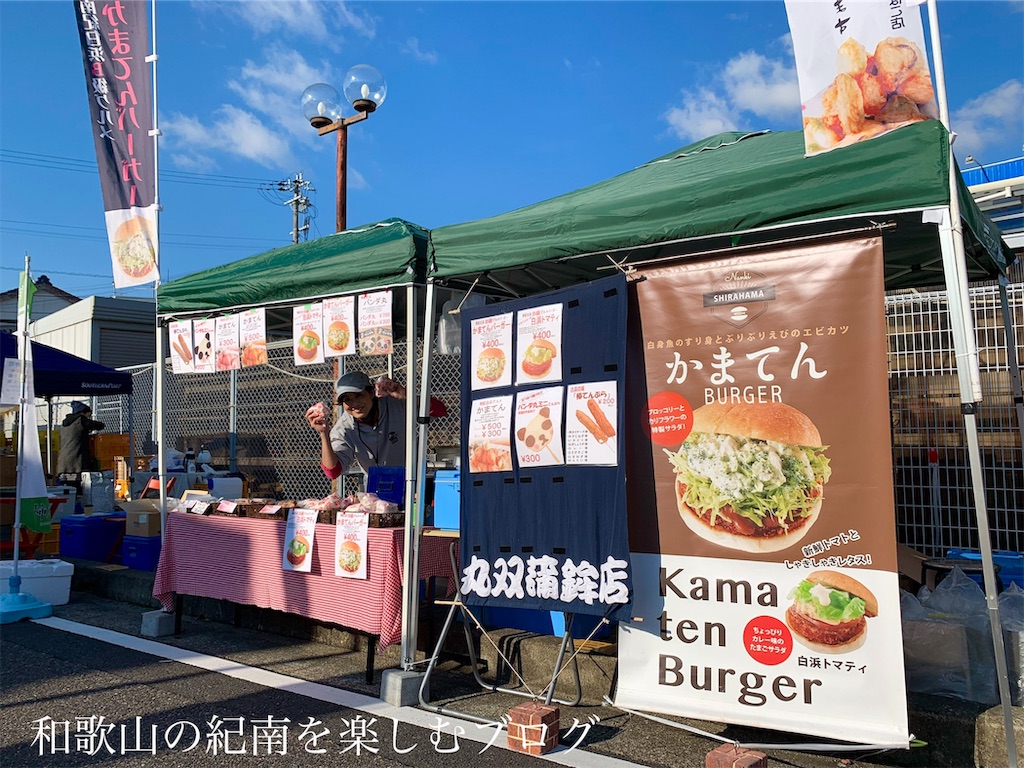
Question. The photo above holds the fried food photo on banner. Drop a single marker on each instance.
(871, 93)
(750, 476)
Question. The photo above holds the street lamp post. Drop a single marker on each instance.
(365, 89)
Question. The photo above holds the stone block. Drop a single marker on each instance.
(157, 624)
(401, 688)
(731, 756)
(533, 728)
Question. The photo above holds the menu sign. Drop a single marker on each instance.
(539, 427)
(298, 540)
(350, 545)
(763, 535)
(339, 320)
(539, 341)
(307, 334)
(228, 351)
(203, 340)
(375, 332)
(252, 335)
(490, 350)
(591, 416)
(489, 444)
(180, 333)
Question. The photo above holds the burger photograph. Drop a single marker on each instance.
(830, 611)
(349, 556)
(133, 247)
(307, 345)
(538, 357)
(298, 550)
(750, 476)
(338, 336)
(490, 365)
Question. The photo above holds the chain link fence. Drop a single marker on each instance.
(275, 448)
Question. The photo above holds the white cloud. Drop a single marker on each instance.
(231, 131)
(702, 114)
(989, 120)
(412, 47)
(750, 85)
(318, 21)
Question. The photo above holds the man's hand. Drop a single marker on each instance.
(388, 388)
(318, 418)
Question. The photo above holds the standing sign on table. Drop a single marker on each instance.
(762, 523)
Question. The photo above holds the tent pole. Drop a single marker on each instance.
(951, 239)
(413, 503)
(49, 441)
(1011, 356)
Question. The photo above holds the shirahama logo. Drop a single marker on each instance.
(739, 297)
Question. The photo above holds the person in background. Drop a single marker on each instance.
(74, 457)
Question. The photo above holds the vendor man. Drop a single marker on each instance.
(370, 430)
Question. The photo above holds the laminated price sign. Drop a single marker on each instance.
(350, 545)
(298, 540)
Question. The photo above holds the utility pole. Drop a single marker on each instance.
(299, 202)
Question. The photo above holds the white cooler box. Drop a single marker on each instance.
(46, 580)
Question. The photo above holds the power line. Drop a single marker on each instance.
(102, 230)
(54, 162)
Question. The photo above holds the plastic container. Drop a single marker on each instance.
(388, 483)
(90, 537)
(1011, 564)
(46, 580)
(545, 622)
(141, 552)
(447, 490)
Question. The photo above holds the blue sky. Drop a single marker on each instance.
(490, 106)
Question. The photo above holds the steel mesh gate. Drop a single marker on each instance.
(931, 478)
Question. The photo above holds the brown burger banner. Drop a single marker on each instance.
(762, 526)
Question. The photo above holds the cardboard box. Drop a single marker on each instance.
(142, 517)
(46, 580)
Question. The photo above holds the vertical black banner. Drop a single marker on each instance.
(114, 47)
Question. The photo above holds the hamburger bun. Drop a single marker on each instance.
(490, 365)
(338, 335)
(827, 637)
(778, 422)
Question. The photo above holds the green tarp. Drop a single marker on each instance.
(758, 185)
(388, 254)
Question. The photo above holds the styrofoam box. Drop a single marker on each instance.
(46, 580)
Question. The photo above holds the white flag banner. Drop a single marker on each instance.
(862, 69)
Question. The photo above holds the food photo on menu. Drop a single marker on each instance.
(591, 418)
(490, 351)
(539, 427)
(490, 446)
(339, 320)
(539, 339)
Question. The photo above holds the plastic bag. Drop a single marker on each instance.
(449, 326)
(947, 641)
(1011, 616)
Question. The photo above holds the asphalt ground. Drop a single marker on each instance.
(216, 672)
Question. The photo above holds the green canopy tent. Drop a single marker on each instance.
(733, 191)
(728, 190)
(388, 254)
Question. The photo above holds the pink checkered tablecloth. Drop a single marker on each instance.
(239, 559)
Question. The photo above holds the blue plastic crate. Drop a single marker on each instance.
(388, 483)
(545, 622)
(90, 537)
(141, 552)
(447, 490)
(1011, 564)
